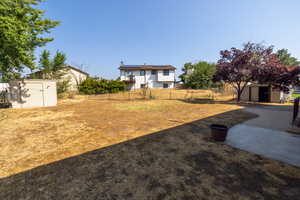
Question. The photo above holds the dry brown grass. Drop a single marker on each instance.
(176, 163)
(34, 137)
(169, 94)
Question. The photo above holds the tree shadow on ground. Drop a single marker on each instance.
(177, 163)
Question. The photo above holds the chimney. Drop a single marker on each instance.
(122, 63)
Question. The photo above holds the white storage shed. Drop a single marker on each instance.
(4, 87)
(32, 93)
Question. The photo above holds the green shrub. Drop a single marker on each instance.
(61, 95)
(3, 95)
(4, 100)
(62, 86)
(101, 86)
(67, 95)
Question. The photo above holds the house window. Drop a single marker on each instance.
(143, 85)
(142, 73)
(127, 73)
(166, 72)
(153, 72)
(165, 85)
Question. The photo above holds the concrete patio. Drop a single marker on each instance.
(266, 134)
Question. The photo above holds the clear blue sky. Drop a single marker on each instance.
(100, 33)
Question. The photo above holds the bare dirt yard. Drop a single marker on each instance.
(85, 149)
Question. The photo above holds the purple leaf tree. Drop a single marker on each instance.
(254, 63)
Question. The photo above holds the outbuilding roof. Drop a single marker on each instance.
(76, 69)
(145, 67)
(65, 67)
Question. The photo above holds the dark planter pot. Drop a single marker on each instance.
(218, 132)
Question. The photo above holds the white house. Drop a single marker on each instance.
(74, 75)
(150, 76)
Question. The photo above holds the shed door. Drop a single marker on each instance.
(264, 94)
(32, 95)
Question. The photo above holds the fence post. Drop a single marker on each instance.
(186, 94)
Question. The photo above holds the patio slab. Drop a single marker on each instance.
(271, 117)
(275, 144)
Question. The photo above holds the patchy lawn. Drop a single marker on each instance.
(34, 137)
(177, 163)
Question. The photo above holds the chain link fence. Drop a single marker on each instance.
(218, 94)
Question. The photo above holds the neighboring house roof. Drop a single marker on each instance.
(66, 67)
(145, 67)
(76, 69)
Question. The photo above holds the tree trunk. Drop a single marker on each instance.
(239, 94)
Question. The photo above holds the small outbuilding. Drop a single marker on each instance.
(32, 93)
(263, 93)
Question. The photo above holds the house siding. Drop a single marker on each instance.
(75, 78)
(152, 81)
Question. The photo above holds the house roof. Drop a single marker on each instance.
(66, 67)
(76, 69)
(32, 80)
(145, 67)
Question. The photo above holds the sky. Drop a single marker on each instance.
(98, 34)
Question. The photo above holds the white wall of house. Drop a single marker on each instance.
(161, 77)
(152, 80)
(75, 78)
